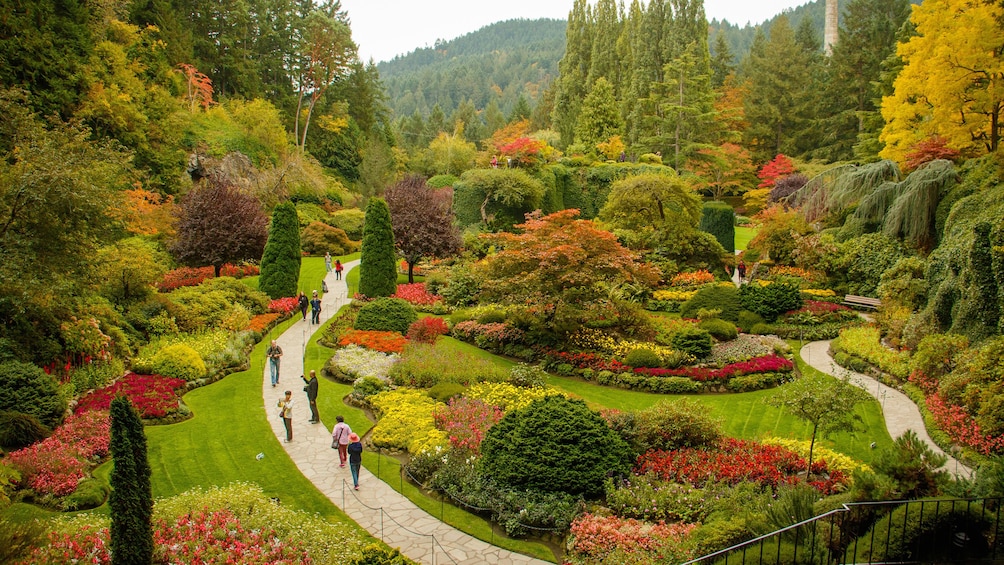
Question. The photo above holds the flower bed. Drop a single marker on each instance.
(284, 305)
(154, 396)
(956, 422)
(240, 271)
(746, 347)
(55, 465)
(736, 461)
(864, 343)
(184, 276)
(492, 336)
(424, 366)
(696, 278)
(262, 322)
(465, 421)
(405, 419)
(594, 538)
(590, 361)
(819, 312)
(416, 294)
(384, 342)
(765, 364)
(219, 349)
(507, 397)
(352, 362)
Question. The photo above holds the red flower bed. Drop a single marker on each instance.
(587, 361)
(960, 426)
(765, 364)
(596, 536)
(184, 276)
(426, 330)
(467, 420)
(154, 396)
(239, 271)
(284, 305)
(56, 464)
(387, 342)
(735, 461)
(416, 294)
(261, 322)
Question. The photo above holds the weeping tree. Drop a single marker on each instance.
(835, 190)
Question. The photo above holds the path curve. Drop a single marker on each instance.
(901, 414)
(381, 510)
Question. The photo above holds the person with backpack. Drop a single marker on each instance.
(340, 439)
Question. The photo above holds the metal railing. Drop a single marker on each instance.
(956, 530)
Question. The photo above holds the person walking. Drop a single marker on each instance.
(274, 352)
(311, 390)
(338, 270)
(286, 413)
(315, 309)
(355, 450)
(302, 302)
(340, 439)
(327, 261)
(742, 271)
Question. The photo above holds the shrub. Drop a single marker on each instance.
(718, 219)
(18, 430)
(770, 300)
(554, 445)
(95, 374)
(27, 389)
(719, 329)
(374, 554)
(352, 362)
(426, 330)
(90, 493)
(671, 425)
(179, 361)
(280, 262)
(694, 341)
(364, 387)
(235, 292)
(722, 297)
(443, 392)
(377, 270)
(349, 220)
(318, 239)
(643, 358)
(937, 354)
(527, 376)
(386, 314)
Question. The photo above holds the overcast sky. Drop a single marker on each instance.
(385, 28)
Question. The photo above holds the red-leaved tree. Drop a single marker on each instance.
(422, 218)
(781, 166)
(932, 148)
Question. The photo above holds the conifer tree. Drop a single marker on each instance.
(377, 269)
(131, 500)
(722, 62)
(599, 118)
(572, 70)
(280, 263)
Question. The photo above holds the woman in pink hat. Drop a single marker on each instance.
(355, 458)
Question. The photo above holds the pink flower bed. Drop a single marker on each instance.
(416, 294)
(153, 396)
(56, 464)
(495, 332)
(596, 536)
(284, 305)
(765, 364)
(960, 426)
(466, 421)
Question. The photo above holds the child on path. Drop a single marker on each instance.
(355, 450)
(340, 439)
(286, 413)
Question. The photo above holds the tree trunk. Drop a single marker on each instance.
(812, 444)
(411, 272)
(831, 22)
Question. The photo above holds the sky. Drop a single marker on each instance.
(386, 28)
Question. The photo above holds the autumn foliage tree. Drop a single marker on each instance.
(780, 166)
(722, 170)
(422, 218)
(930, 149)
(219, 224)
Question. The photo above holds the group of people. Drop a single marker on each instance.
(314, 303)
(337, 267)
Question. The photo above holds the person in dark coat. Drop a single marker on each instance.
(303, 303)
(315, 309)
(311, 390)
(355, 458)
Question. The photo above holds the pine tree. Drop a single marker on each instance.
(131, 500)
(599, 119)
(377, 266)
(280, 263)
(722, 62)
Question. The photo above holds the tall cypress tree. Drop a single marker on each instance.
(280, 263)
(131, 500)
(377, 269)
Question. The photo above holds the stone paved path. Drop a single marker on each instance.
(378, 508)
(901, 414)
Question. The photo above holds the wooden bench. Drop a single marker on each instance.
(855, 301)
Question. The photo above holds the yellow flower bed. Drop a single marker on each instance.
(595, 340)
(506, 396)
(835, 461)
(405, 418)
(818, 292)
(677, 295)
(433, 441)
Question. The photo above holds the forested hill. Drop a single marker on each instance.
(497, 63)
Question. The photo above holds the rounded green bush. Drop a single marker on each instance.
(749, 319)
(386, 315)
(18, 430)
(492, 317)
(443, 392)
(27, 389)
(720, 329)
(695, 341)
(90, 493)
(643, 358)
(761, 329)
(527, 376)
(179, 361)
(368, 386)
(723, 297)
(555, 444)
(772, 300)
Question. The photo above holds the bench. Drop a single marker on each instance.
(855, 301)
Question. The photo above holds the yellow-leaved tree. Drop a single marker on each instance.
(952, 82)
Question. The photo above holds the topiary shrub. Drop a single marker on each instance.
(720, 329)
(723, 297)
(718, 219)
(378, 257)
(90, 493)
(556, 444)
(27, 389)
(443, 392)
(18, 430)
(280, 262)
(770, 301)
(643, 358)
(695, 341)
(747, 320)
(319, 238)
(179, 361)
(386, 315)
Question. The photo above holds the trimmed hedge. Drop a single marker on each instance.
(718, 219)
(378, 261)
(386, 315)
(720, 329)
(280, 262)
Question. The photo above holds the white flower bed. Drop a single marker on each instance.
(361, 362)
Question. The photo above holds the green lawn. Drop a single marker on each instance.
(743, 236)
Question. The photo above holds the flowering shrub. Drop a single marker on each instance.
(594, 538)
(818, 292)
(184, 276)
(765, 364)
(405, 418)
(797, 272)
(505, 396)
(208, 344)
(55, 465)
(743, 348)
(696, 278)
(240, 271)
(647, 498)
(385, 342)
(834, 461)
(284, 305)
(487, 336)
(583, 360)
(426, 330)
(961, 427)
(818, 312)
(675, 295)
(416, 294)
(261, 322)
(864, 342)
(359, 362)
(84, 338)
(733, 462)
(595, 340)
(465, 421)
(153, 396)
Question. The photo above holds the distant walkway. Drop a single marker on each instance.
(381, 510)
(901, 414)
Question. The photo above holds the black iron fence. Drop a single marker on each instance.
(946, 530)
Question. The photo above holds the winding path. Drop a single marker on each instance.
(378, 508)
(901, 414)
